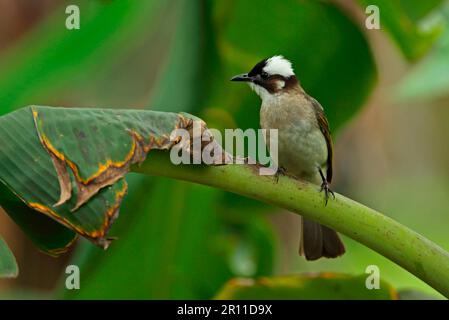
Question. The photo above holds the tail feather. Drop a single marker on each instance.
(319, 241)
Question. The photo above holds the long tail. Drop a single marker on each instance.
(319, 241)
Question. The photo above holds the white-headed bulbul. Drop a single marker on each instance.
(304, 142)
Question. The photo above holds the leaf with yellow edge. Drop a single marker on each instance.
(69, 163)
(304, 287)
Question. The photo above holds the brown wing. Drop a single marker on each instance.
(324, 127)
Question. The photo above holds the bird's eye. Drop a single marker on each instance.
(264, 75)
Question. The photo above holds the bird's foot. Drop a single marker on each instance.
(281, 171)
(327, 191)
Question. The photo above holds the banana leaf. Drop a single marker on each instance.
(69, 164)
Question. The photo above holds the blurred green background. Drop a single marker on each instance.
(386, 94)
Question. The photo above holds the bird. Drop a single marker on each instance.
(304, 142)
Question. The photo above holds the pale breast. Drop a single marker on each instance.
(302, 147)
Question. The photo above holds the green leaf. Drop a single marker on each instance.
(404, 21)
(47, 234)
(8, 264)
(326, 286)
(88, 151)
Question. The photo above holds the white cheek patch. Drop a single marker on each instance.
(280, 84)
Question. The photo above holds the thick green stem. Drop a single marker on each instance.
(410, 250)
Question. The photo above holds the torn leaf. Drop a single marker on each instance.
(69, 164)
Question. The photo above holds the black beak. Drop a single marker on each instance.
(242, 77)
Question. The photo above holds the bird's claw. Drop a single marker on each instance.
(327, 190)
(281, 171)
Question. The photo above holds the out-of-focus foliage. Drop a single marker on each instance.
(306, 287)
(339, 71)
(61, 60)
(429, 79)
(404, 20)
(8, 264)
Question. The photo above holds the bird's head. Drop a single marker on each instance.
(270, 77)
